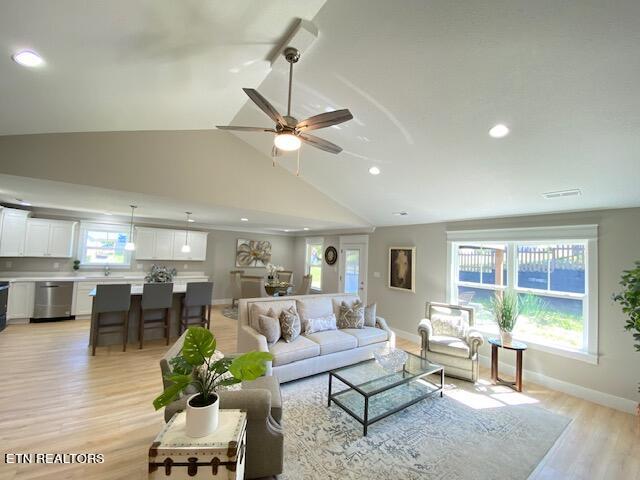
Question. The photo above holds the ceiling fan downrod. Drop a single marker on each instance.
(292, 55)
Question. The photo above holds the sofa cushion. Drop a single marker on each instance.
(332, 341)
(313, 307)
(449, 345)
(262, 308)
(367, 335)
(299, 349)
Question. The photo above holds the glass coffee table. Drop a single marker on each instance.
(375, 393)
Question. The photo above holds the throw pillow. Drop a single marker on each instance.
(269, 327)
(351, 316)
(448, 325)
(320, 324)
(290, 324)
(256, 311)
(370, 315)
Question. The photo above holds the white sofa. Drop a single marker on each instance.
(317, 352)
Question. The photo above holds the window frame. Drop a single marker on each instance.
(310, 241)
(102, 227)
(586, 235)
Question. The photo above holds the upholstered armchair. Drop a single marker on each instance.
(305, 287)
(261, 400)
(252, 286)
(285, 276)
(449, 339)
(236, 286)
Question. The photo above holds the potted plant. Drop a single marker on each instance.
(629, 299)
(206, 370)
(160, 274)
(506, 310)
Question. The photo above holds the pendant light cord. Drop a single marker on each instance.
(131, 223)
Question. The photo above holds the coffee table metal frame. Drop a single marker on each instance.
(366, 421)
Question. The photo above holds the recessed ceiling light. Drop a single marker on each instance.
(499, 131)
(190, 220)
(28, 58)
(286, 230)
(23, 203)
(400, 214)
(374, 171)
(562, 193)
(306, 228)
(244, 219)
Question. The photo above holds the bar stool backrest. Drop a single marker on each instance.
(198, 294)
(112, 298)
(157, 296)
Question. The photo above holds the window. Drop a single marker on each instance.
(313, 262)
(103, 244)
(553, 279)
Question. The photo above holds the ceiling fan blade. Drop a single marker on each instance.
(324, 120)
(320, 143)
(245, 129)
(264, 105)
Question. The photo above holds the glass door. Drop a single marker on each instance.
(353, 268)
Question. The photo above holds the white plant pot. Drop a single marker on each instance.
(202, 421)
(506, 337)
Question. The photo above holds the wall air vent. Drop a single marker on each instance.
(562, 193)
(400, 214)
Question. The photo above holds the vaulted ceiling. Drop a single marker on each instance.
(425, 81)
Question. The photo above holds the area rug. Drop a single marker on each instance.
(230, 312)
(437, 438)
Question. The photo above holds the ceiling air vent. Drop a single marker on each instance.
(562, 193)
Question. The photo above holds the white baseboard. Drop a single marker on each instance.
(222, 301)
(412, 337)
(595, 396)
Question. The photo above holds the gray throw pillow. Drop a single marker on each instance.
(351, 316)
(269, 327)
(290, 324)
(370, 315)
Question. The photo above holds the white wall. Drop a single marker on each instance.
(330, 273)
(618, 371)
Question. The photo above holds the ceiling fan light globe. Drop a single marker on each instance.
(287, 142)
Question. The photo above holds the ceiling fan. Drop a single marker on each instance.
(289, 132)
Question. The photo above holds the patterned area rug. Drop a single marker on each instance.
(474, 432)
(230, 312)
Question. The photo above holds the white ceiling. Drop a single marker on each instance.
(425, 82)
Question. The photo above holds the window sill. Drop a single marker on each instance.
(579, 355)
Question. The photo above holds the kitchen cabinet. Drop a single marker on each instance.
(20, 302)
(166, 244)
(197, 242)
(49, 238)
(12, 233)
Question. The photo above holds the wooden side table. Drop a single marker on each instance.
(220, 455)
(518, 347)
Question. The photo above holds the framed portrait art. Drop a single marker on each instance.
(402, 268)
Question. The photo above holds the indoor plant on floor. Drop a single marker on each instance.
(506, 310)
(205, 369)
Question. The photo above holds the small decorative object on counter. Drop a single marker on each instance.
(391, 359)
(201, 366)
(160, 274)
(174, 454)
(76, 265)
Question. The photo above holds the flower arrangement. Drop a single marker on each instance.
(160, 274)
(272, 270)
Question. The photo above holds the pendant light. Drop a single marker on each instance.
(186, 248)
(130, 246)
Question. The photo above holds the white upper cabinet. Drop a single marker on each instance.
(12, 233)
(49, 238)
(166, 244)
(196, 240)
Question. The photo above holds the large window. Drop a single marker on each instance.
(555, 281)
(103, 244)
(313, 262)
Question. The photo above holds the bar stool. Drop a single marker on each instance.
(111, 299)
(155, 296)
(198, 296)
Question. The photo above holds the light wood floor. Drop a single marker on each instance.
(55, 397)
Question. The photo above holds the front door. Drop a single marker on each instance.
(353, 270)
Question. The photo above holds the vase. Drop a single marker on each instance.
(506, 337)
(202, 420)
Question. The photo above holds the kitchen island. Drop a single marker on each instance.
(105, 339)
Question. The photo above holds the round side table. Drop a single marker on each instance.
(518, 347)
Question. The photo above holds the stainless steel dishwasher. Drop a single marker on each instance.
(53, 300)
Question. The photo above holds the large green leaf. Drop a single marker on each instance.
(180, 365)
(250, 365)
(199, 344)
(179, 383)
(220, 366)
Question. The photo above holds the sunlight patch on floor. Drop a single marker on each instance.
(486, 395)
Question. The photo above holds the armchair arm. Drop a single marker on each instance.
(425, 329)
(475, 340)
(250, 340)
(382, 323)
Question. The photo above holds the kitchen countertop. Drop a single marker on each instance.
(88, 277)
